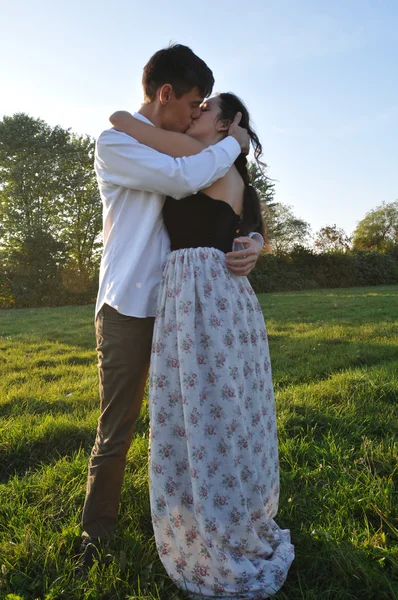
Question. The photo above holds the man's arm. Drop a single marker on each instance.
(171, 143)
(121, 160)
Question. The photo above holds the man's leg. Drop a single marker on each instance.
(124, 347)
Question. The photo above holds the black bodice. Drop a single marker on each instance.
(200, 221)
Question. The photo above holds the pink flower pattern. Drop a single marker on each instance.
(214, 454)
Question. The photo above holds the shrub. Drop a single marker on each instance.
(303, 269)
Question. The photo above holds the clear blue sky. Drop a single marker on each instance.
(320, 79)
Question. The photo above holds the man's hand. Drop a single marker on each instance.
(240, 134)
(242, 262)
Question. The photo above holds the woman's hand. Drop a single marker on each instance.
(240, 134)
(242, 262)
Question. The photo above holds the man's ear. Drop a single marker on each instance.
(223, 124)
(165, 93)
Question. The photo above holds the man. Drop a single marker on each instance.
(133, 181)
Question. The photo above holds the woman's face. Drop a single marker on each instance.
(206, 127)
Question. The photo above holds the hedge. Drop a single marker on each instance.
(299, 270)
(303, 270)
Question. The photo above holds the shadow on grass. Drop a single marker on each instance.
(71, 325)
(344, 307)
(62, 440)
(30, 405)
(80, 337)
(326, 358)
(326, 569)
(361, 408)
(58, 441)
(73, 359)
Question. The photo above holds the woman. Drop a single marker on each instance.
(214, 454)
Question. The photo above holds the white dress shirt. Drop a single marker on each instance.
(133, 181)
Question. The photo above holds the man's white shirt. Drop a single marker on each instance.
(134, 181)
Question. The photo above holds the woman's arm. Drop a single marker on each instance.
(167, 142)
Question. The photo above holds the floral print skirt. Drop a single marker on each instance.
(214, 450)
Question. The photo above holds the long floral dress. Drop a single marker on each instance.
(214, 450)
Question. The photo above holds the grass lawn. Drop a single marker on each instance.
(335, 366)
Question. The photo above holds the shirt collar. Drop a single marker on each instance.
(141, 117)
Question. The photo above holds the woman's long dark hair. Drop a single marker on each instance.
(252, 219)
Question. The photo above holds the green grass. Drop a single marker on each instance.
(335, 368)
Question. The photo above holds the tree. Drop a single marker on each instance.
(34, 270)
(265, 187)
(285, 230)
(332, 239)
(47, 183)
(48, 192)
(80, 216)
(31, 176)
(378, 230)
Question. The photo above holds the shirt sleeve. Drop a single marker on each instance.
(121, 160)
(257, 236)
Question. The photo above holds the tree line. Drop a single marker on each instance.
(51, 218)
